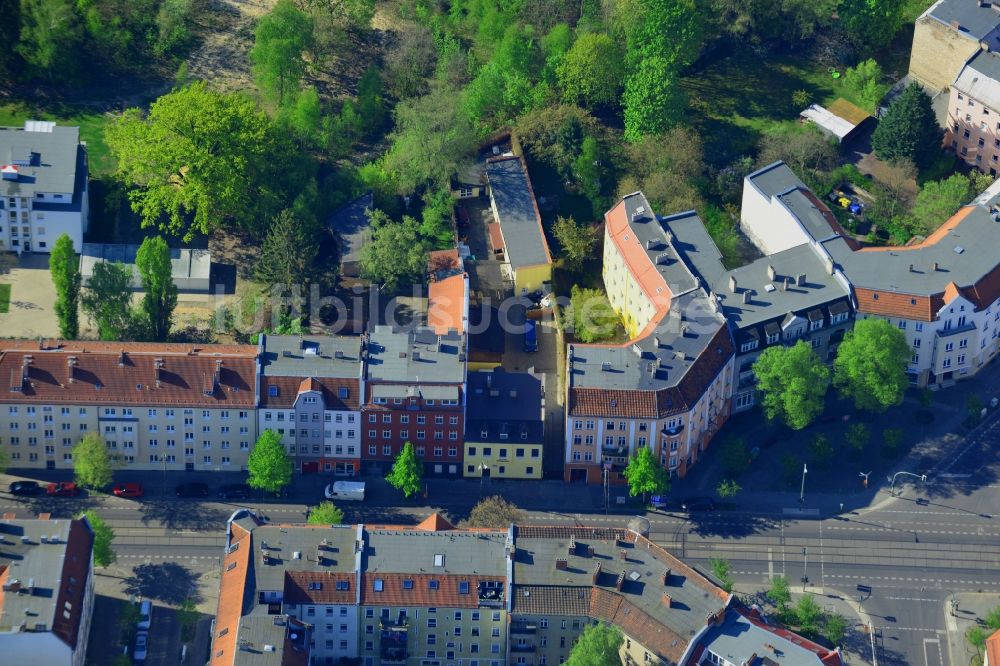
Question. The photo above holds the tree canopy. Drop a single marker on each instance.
(591, 72)
(940, 199)
(645, 475)
(93, 466)
(909, 129)
(290, 249)
(158, 303)
(281, 39)
(598, 645)
(268, 465)
(107, 300)
(793, 382)
(104, 535)
(493, 511)
(871, 365)
(591, 314)
(65, 269)
(576, 241)
(326, 513)
(407, 471)
(397, 253)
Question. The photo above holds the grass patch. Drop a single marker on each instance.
(13, 114)
(4, 298)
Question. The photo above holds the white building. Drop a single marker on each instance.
(43, 189)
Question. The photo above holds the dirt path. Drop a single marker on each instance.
(226, 34)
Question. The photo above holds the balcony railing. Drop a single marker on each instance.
(523, 628)
(522, 648)
(947, 333)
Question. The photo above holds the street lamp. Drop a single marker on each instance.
(892, 480)
(483, 468)
(802, 491)
(865, 475)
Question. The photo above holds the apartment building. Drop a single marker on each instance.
(414, 392)
(667, 388)
(43, 186)
(447, 292)
(47, 598)
(947, 35)
(744, 636)
(974, 113)
(504, 436)
(311, 389)
(158, 406)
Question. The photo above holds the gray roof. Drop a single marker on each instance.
(414, 551)
(311, 356)
(737, 639)
(980, 78)
(190, 269)
(414, 356)
(282, 543)
(351, 223)
(267, 638)
(425, 392)
(55, 167)
(974, 20)
(651, 234)
(774, 179)
(517, 213)
(504, 400)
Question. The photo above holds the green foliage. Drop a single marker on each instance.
(410, 62)
(871, 365)
(104, 554)
(4, 459)
(858, 436)
(591, 315)
(645, 475)
(780, 593)
(836, 628)
(892, 438)
(728, 488)
(865, 81)
(589, 172)
(128, 616)
(50, 37)
(806, 150)
(822, 450)
(974, 405)
(576, 241)
(554, 136)
(107, 300)
(326, 513)
(724, 232)
(65, 269)
(93, 466)
(397, 253)
(801, 99)
(495, 512)
(788, 22)
(505, 87)
(268, 464)
(793, 381)
(203, 159)
(940, 199)
(172, 26)
(591, 72)
(908, 130)
(723, 572)
(371, 101)
(304, 118)
(290, 249)
(976, 636)
(598, 645)
(871, 24)
(555, 44)
(436, 219)
(153, 263)
(407, 471)
(808, 614)
(281, 39)
(733, 455)
(187, 617)
(353, 13)
(653, 99)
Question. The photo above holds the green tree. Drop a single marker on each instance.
(589, 171)
(734, 455)
(270, 468)
(598, 645)
(653, 99)
(645, 475)
(822, 450)
(187, 617)
(857, 436)
(4, 459)
(871, 365)
(591, 314)
(871, 24)
(591, 72)
(371, 100)
(107, 300)
(892, 438)
(977, 636)
(65, 269)
(909, 129)
(806, 150)
(50, 38)
(104, 554)
(153, 263)
(407, 471)
(173, 29)
(202, 159)
(793, 381)
(325, 513)
(397, 253)
(865, 80)
(576, 240)
(940, 199)
(290, 249)
(494, 511)
(780, 593)
(807, 614)
(728, 488)
(836, 628)
(281, 39)
(93, 465)
(785, 21)
(723, 572)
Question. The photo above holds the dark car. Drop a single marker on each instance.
(698, 504)
(192, 490)
(234, 491)
(25, 488)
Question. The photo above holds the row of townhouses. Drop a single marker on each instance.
(431, 594)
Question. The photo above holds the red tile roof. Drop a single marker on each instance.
(447, 306)
(434, 523)
(232, 590)
(290, 387)
(126, 373)
(993, 649)
(827, 657)
(891, 304)
(643, 271)
(298, 590)
(394, 594)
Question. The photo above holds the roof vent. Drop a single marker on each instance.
(746, 296)
(338, 354)
(268, 648)
(959, 249)
(606, 366)
(800, 280)
(297, 555)
(733, 283)
(771, 273)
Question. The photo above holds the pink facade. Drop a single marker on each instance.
(974, 131)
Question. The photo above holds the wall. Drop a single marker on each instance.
(333, 623)
(40, 648)
(768, 224)
(938, 53)
(503, 459)
(530, 278)
(966, 114)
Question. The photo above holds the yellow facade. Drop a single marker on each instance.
(530, 278)
(624, 293)
(508, 459)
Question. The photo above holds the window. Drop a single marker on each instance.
(750, 345)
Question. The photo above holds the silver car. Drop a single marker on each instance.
(141, 645)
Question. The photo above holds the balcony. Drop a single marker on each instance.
(523, 647)
(965, 328)
(673, 432)
(392, 647)
(614, 451)
(521, 628)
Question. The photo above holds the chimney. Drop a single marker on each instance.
(158, 366)
(800, 279)
(955, 24)
(911, 268)
(620, 581)
(666, 600)
(623, 554)
(510, 551)
(590, 551)
(596, 575)
(416, 355)
(656, 341)
(571, 548)
(651, 243)
(70, 364)
(25, 364)
(784, 284)
(437, 346)
(121, 358)
(665, 577)
(935, 267)
(561, 565)
(771, 273)
(732, 283)
(829, 265)
(746, 295)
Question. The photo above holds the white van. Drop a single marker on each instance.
(145, 615)
(353, 491)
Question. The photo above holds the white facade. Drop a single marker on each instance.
(341, 437)
(768, 222)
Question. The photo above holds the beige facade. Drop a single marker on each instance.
(939, 52)
(974, 131)
(439, 635)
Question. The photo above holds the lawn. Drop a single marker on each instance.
(4, 298)
(91, 128)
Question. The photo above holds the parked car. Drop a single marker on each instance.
(145, 615)
(192, 490)
(25, 488)
(698, 504)
(346, 490)
(62, 489)
(127, 490)
(141, 645)
(234, 491)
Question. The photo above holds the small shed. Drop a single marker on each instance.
(190, 269)
(352, 227)
(841, 120)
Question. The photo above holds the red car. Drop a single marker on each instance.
(62, 489)
(127, 490)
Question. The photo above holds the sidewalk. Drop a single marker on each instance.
(971, 607)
